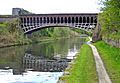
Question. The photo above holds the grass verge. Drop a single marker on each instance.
(83, 70)
(111, 58)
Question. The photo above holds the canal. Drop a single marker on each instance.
(37, 63)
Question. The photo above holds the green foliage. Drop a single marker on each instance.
(111, 58)
(10, 34)
(110, 18)
(83, 70)
(61, 32)
(3, 30)
(53, 32)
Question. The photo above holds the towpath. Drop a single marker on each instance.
(103, 77)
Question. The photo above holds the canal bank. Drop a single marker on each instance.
(29, 42)
(83, 68)
(111, 58)
(73, 74)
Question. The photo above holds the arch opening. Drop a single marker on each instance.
(24, 20)
(62, 20)
(80, 19)
(69, 20)
(27, 20)
(76, 20)
(84, 19)
(65, 19)
(91, 19)
(40, 19)
(58, 20)
(88, 20)
(34, 20)
(37, 19)
(51, 20)
(55, 20)
(47, 19)
(73, 20)
(44, 20)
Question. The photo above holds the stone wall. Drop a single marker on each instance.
(112, 42)
(96, 33)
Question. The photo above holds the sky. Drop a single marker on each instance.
(50, 6)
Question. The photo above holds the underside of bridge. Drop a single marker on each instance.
(33, 22)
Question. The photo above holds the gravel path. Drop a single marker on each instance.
(102, 74)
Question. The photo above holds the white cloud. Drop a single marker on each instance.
(50, 6)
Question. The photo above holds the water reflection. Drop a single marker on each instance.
(34, 63)
(52, 56)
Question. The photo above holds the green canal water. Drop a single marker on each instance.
(37, 63)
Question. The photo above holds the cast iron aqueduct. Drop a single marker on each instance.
(33, 22)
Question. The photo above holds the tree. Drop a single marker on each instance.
(110, 17)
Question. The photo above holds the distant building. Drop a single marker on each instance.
(15, 12)
(19, 11)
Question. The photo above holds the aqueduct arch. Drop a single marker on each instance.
(32, 22)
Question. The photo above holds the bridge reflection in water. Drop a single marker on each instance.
(35, 63)
(52, 56)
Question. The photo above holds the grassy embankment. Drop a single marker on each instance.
(83, 70)
(111, 58)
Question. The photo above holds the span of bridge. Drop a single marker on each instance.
(33, 22)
